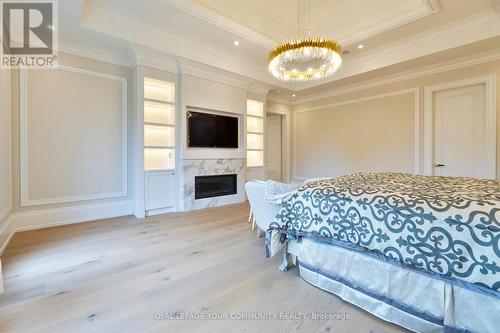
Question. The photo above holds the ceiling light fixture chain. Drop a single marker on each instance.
(303, 22)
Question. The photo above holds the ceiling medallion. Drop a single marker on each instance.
(305, 58)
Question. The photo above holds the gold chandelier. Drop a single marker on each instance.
(305, 58)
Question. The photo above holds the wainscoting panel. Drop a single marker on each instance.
(73, 131)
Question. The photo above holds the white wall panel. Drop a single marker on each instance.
(372, 135)
(73, 130)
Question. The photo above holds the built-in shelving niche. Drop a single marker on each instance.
(255, 134)
(159, 145)
(159, 125)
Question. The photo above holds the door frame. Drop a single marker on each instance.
(285, 142)
(279, 118)
(490, 83)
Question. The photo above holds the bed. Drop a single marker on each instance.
(419, 251)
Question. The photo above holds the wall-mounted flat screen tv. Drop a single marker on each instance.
(207, 130)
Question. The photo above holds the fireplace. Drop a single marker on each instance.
(214, 186)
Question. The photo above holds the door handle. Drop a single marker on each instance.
(438, 165)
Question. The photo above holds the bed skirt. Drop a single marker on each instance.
(406, 297)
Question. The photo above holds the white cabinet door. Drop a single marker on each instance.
(160, 190)
(460, 147)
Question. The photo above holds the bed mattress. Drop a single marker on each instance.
(445, 225)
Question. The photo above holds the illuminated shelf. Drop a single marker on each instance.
(159, 136)
(255, 158)
(159, 147)
(255, 141)
(255, 108)
(255, 124)
(159, 113)
(159, 91)
(255, 134)
(158, 101)
(159, 125)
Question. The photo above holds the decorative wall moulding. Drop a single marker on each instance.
(24, 114)
(390, 79)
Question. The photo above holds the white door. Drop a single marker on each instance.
(460, 135)
(273, 147)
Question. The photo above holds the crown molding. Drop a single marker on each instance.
(99, 54)
(455, 34)
(259, 89)
(163, 61)
(154, 59)
(212, 74)
(428, 7)
(408, 75)
(221, 21)
(142, 35)
(280, 99)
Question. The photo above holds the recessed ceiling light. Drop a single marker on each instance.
(293, 95)
(236, 43)
(360, 46)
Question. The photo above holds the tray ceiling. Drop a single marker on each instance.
(338, 19)
(205, 31)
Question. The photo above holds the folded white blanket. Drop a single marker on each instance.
(277, 192)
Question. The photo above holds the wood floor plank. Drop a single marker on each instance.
(116, 275)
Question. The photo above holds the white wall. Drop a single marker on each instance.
(324, 145)
(362, 135)
(5, 157)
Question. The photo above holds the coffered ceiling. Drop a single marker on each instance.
(204, 31)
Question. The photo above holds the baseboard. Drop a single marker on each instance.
(6, 232)
(1, 278)
(153, 212)
(38, 219)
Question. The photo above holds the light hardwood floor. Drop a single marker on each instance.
(113, 275)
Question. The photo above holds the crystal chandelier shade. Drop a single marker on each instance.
(305, 58)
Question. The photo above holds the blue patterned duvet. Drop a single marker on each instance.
(447, 225)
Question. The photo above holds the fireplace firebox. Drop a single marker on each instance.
(214, 186)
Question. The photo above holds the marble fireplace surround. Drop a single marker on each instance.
(208, 167)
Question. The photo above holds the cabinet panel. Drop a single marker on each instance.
(160, 190)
